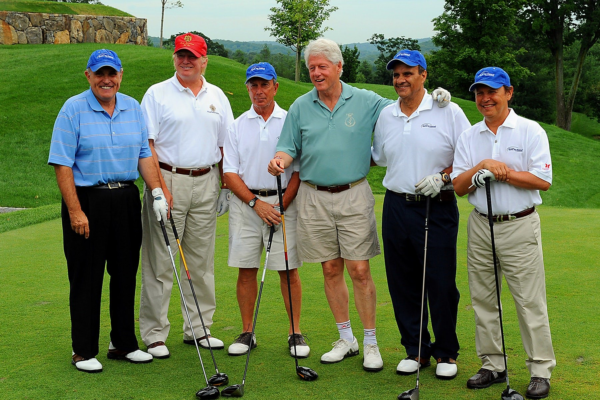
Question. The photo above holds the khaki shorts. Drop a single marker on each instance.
(249, 235)
(333, 225)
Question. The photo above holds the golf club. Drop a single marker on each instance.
(304, 373)
(219, 378)
(508, 393)
(209, 392)
(413, 394)
(238, 390)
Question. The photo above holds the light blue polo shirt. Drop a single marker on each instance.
(334, 146)
(98, 148)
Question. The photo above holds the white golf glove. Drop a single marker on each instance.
(430, 185)
(160, 205)
(223, 202)
(479, 178)
(442, 96)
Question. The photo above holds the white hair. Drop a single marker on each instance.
(326, 48)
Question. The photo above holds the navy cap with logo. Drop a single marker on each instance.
(104, 58)
(262, 70)
(493, 77)
(412, 58)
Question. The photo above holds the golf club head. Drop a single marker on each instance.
(510, 394)
(412, 394)
(306, 374)
(233, 391)
(219, 379)
(208, 393)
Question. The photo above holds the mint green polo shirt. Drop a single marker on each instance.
(334, 146)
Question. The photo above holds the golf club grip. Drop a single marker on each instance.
(271, 232)
(164, 231)
(280, 194)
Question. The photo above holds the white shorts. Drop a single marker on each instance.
(249, 235)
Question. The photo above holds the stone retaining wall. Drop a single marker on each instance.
(38, 28)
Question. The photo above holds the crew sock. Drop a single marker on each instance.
(345, 330)
(370, 337)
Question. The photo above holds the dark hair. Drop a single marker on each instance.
(421, 70)
(507, 89)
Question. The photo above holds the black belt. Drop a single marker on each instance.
(113, 185)
(265, 192)
(334, 189)
(509, 217)
(445, 195)
(184, 171)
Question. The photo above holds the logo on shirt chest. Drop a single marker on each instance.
(350, 121)
(428, 125)
(514, 148)
(212, 109)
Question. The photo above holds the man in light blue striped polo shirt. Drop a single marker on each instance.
(98, 144)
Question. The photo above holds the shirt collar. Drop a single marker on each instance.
(426, 104)
(277, 112)
(182, 88)
(95, 104)
(510, 122)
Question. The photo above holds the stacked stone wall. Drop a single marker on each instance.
(40, 28)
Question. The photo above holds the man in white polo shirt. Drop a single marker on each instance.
(416, 141)
(514, 153)
(249, 146)
(187, 121)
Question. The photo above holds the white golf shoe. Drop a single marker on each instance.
(409, 365)
(241, 344)
(215, 343)
(446, 368)
(136, 357)
(159, 350)
(372, 361)
(90, 365)
(302, 348)
(341, 349)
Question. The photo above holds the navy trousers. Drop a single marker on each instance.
(403, 231)
(115, 239)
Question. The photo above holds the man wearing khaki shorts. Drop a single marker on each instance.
(249, 145)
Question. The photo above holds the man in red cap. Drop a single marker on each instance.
(187, 121)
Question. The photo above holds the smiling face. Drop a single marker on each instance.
(493, 103)
(408, 82)
(105, 84)
(323, 73)
(188, 66)
(262, 92)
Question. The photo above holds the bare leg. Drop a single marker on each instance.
(336, 289)
(365, 297)
(296, 287)
(247, 290)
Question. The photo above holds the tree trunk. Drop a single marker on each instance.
(297, 75)
(162, 18)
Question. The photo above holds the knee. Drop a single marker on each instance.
(294, 277)
(331, 272)
(247, 276)
(361, 274)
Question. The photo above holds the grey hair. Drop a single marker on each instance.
(326, 48)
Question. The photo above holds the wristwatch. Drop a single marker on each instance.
(445, 178)
(252, 202)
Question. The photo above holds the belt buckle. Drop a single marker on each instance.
(263, 192)
(191, 172)
(114, 185)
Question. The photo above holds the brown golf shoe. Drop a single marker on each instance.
(538, 388)
(485, 378)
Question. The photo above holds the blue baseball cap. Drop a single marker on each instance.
(262, 70)
(412, 58)
(493, 77)
(104, 58)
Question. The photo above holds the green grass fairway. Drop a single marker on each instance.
(52, 7)
(35, 347)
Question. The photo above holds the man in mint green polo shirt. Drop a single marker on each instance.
(330, 129)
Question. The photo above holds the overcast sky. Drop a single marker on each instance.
(242, 20)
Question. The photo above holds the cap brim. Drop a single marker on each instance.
(391, 65)
(194, 52)
(265, 77)
(112, 65)
(493, 85)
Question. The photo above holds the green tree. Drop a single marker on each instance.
(294, 23)
(351, 63)
(239, 56)
(166, 4)
(556, 24)
(387, 50)
(366, 71)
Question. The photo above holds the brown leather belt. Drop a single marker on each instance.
(265, 192)
(184, 171)
(510, 217)
(334, 189)
(445, 195)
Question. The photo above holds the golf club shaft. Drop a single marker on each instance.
(164, 230)
(427, 204)
(193, 291)
(287, 266)
(262, 282)
(491, 222)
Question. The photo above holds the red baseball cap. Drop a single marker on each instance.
(191, 42)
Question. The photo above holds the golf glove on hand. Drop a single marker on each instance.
(442, 96)
(160, 205)
(430, 185)
(479, 178)
(223, 202)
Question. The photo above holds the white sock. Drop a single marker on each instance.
(370, 337)
(345, 330)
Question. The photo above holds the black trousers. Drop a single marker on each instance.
(115, 239)
(403, 231)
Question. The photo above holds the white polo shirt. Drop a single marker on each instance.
(187, 130)
(522, 145)
(413, 147)
(250, 146)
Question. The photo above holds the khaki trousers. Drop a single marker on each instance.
(520, 260)
(194, 213)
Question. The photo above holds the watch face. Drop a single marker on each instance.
(252, 202)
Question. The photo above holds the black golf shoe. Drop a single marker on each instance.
(301, 346)
(538, 388)
(485, 378)
(241, 344)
